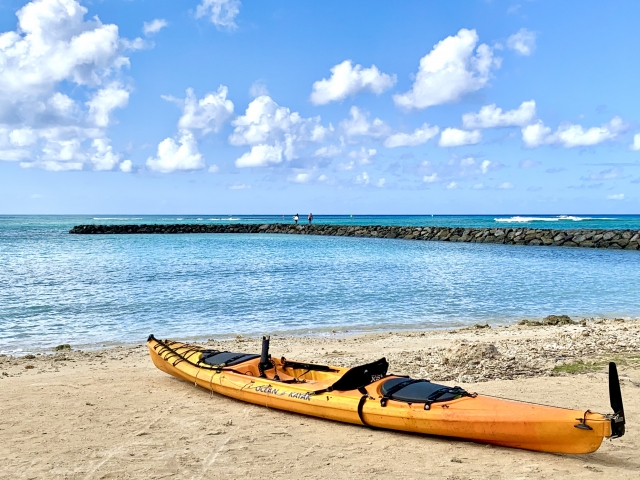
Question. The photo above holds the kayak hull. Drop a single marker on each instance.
(476, 418)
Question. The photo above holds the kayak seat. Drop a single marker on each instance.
(225, 359)
(361, 376)
(408, 390)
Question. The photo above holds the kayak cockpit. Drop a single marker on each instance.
(283, 370)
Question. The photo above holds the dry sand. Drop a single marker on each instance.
(112, 414)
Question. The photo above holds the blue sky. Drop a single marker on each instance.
(228, 106)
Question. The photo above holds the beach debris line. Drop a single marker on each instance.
(551, 320)
(611, 239)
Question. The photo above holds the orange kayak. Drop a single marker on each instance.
(366, 395)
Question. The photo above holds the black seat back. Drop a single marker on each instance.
(362, 375)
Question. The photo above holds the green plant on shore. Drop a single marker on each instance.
(581, 366)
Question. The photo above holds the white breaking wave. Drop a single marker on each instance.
(519, 219)
(117, 218)
(218, 219)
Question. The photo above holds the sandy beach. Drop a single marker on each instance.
(112, 414)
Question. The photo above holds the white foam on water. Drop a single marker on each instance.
(519, 219)
(117, 218)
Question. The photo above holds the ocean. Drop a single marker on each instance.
(93, 291)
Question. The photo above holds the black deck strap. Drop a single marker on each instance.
(324, 390)
(208, 353)
(308, 366)
(363, 400)
(396, 388)
(458, 391)
(233, 359)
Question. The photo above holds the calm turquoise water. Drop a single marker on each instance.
(94, 290)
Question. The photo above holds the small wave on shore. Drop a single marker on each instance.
(559, 218)
(219, 219)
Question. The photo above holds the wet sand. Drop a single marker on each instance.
(112, 414)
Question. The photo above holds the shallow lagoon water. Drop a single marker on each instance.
(93, 290)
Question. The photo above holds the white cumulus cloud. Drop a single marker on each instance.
(491, 116)
(485, 166)
(207, 114)
(103, 157)
(172, 157)
(452, 186)
(204, 116)
(53, 47)
(126, 166)
(617, 196)
(505, 186)
(523, 42)
(54, 43)
(362, 179)
(363, 156)
(274, 132)
(636, 142)
(265, 121)
(570, 135)
(105, 101)
(453, 137)
(222, 13)
(154, 26)
(329, 151)
(419, 136)
(239, 186)
(23, 137)
(301, 178)
(431, 178)
(457, 169)
(260, 156)
(453, 68)
(348, 80)
(359, 125)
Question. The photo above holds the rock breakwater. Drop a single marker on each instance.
(612, 239)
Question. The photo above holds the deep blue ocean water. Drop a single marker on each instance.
(111, 289)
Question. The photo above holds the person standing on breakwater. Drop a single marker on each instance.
(310, 218)
(296, 218)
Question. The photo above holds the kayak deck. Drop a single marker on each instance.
(325, 392)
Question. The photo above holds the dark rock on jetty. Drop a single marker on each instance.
(614, 239)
